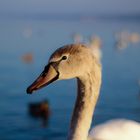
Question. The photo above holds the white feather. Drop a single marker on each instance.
(117, 129)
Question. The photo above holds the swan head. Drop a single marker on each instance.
(70, 61)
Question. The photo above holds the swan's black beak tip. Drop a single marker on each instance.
(29, 90)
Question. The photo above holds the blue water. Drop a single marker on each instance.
(119, 97)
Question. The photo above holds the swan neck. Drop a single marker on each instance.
(88, 91)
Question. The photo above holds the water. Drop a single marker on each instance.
(119, 96)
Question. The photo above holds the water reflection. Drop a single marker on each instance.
(119, 92)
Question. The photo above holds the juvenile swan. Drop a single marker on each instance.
(75, 61)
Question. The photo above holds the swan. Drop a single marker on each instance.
(80, 61)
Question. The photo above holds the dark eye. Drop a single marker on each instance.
(64, 57)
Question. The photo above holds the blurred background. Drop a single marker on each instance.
(31, 30)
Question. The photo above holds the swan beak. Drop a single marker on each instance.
(48, 76)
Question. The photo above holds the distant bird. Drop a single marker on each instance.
(134, 38)
(78, 38)
(39, 110)
(27, 58)
(124, 38)
(81, 62)
(27, 32)
(95, 44)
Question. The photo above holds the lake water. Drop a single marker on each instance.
(120, 92)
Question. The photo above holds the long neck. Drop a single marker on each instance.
(88, 91)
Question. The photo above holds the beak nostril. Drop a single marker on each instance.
(43, 74)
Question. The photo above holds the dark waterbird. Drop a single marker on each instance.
(39, 110)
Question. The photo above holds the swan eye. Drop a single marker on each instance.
(64, 57)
